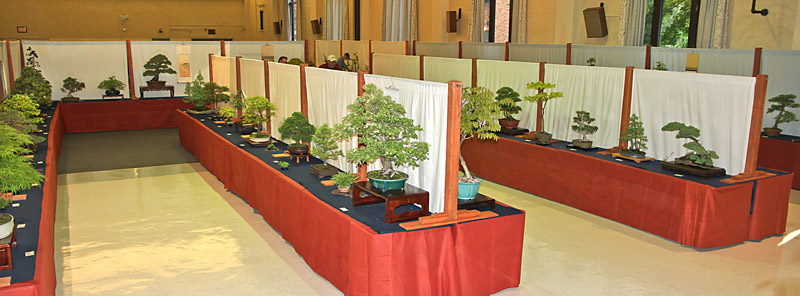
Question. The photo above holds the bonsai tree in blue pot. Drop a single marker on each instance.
(479, 119)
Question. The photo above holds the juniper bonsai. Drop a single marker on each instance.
(634, 135)
(479, 114)
(32, 84)
(660, 66)
(591, 61)
(583, 124)
(111, 84)
(698, 154)
(326, 147)
(780, 103)
(72, 85)
(201, 94)
(157, 65)
(507, 98)
(297, 128)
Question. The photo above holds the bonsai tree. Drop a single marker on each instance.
(387, 134)
(271, 147)
(31, 59)
(780, 103)
(71, 85)
(22, 124)
(16, 171)
(583, 125)
(326, 147)
(479, 114)
(111, 85)
(297, 128)
(634, 135)
(660, 66)
(343, 181)
(23, 104)
(200, 94)
(543, 97)
(507, 98)
(697, 154)
(228, 112)
(591, 61)
(32, 84)
(157, 65)
(256, 110)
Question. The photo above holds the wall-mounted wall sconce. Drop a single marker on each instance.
(753, 10)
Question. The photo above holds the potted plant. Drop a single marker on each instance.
(31, 83)
(583, 125)
(256, 111)
(23, 125)
(507, 98)
(284, 165)
(297, 128)
(479, 112)
(634, 135)
(343, 181)
(228, 113)
(16, 171)
(201, 94)
(157, 65)
(387, 134)
(271, 147)
(591, 61)
(698, 160)
(71, 85)
(543, 97)
(325, 148)
(660, 66)
(23, 104)
(6, 223)
(780, 103)
(112, 86)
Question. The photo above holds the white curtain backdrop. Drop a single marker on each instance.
(632, 22)
(329, 93)
(252, 77)
(425, 103)
(252, 49)
(720, 106)
(360, 48)
(485, 51)
(142, 51)
(389, 47)
(447, 69)
(475, 30)
(496, 74)
(397, 20)
(782, 67)
(222, 72)
(594, 89)
(538, 53)
(325, 48)
(712, 61)
(89, 62)
(284, 92)
(401, 66)
(335, 20)
(610, 56)
(519, 21)
(712, 29)
(438, 49)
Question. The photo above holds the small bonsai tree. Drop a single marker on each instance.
(583, 124)
(72, 85)
(543, 96)
(201, 94)
(111, 84)
(326, 147)
(24, 105)
(228, 113)
(297, 128)
(780, 103)
(507, 98)
(634, 135)
(256, 110)
(479, 114)
(660, 66)
(31, 61)
(16, 171)
(698, 154)
(32, 84)
(591, 61)
(271, 147)
(157, 65)
(386, 132)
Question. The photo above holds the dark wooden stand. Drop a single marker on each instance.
(169, 88)
(480, 200)
(393, 200)
(6, 244)
(514, 131)
(297, 157)
(697, 171)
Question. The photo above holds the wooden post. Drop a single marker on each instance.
(303, 91)
(222, 47)
(539, 106)
(21, 55)
(569, 53)
(406, 47)
(415, 47)
(370, 62)
(757, 62)
(474, 72)
(422, 67)
(266, 89)
(305, 51)
(131, 84)
(507, 50)
(460, 50)
(11, 64)
(362, 168)
(2, 85)
(238, 81)
(341, 47)
(750, 172)
(648, 57)
(210, 67)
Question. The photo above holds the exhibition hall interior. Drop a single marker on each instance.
(399, 147)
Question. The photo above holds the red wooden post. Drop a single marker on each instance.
(474, 72)
(341, 47)
(415, 47)
(370, 62)
(266, 89)
(453, 149)
(131, 84)
(507, 50)
(626, 104)
(11, 64)
(210, 67)
(362, 168)
(539, 106)
(757, 62)
(422, 67)
(406, 47)
(303, 91)
(569, 53)
(305, 51)
(647, 56)
(460, 51)
(222, 46)
(21, 55)
(239, 80)
(750, 172)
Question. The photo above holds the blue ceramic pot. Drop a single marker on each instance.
(468, 190)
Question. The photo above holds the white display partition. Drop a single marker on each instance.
(252, 49)
(142, 51)
(425, 103)
(284, 92)
(360, 48)
(538, 53)
(447, 69)
(437, 49)
(484, 51)
(89, 62)
(17, 58)
(401, 66)
(253, 83)
(720, 106)
(782, 67)
(329, 94)
(324, 48)
(610, 56)
(389, 47)
(224, 75)
(598, 90)
(712, 61)
(516, 75)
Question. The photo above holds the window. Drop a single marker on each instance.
(496, 20)
(292, 20)
(672, 23)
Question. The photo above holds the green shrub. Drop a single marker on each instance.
(24, 105)
(32, 84)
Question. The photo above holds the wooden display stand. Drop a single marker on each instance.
(480, 200)
(393, 199)
(169, 88)
(637, 160)
(113, 96)
(297, 157)
(6, 244)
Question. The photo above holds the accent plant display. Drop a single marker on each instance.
(697, 155)
(780, 104)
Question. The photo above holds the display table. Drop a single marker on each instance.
(120, 115)
(169, 88)
(688, 210)
(392, 199)
(355, 250)
(781, 153)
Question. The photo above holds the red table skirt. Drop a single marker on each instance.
(120, 115)
(687, 212)
(473, 258)
(780, 155)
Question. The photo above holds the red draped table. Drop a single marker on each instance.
(781, 153)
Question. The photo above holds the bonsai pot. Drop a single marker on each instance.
(344, 189)
(772, 132)
(543, 137)
(386, 185)
(509, 123)
(6, 225)
(70, 99)
(322, 170)
(156, 84)
(687, 166)
(468, 190)
(632, 153)
(261, 140)
(112, 92)
(298, 149)
(582, 144)
(209, 111)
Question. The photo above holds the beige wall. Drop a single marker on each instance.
(774, 31)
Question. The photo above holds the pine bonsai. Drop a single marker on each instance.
(583, 125)
(386, 132)
(634, 135)
(32, 84)
(780, 103)
(31, 61)
(24, 105)
(201, 94)
(326, 147)
(111, 84)
(507, 98)
(157, 65)
(72, 85)
(698, 154)
(256, 110)
(297, 128)
(479, 114)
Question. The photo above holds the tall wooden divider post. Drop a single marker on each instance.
(648, 56)
(266, 89)
(422, 67)
(131, 84)
(750, 171)
(210, 67)
(475, 72)
(222, 47)
(303, 91)
(362, 168)
(11, 63)
(460, 49)
(757, 62)
(569, 53)
(627, 93)
(239, 81)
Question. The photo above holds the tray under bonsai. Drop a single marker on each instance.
(702, 172)
(580, 148)
(637, 160)
(514, 131)
(330, 171)
(258, 144)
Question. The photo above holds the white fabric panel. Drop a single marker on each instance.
(252, 77)
(549, 53)
(329, 93)
(594, 89)
(720, 106)
(712, 61)
(357, 47)
(782, 67)
(284, 92)
(610, 56)
(484, 51)
(496, 74)
(448, 69)
(222, 72)
(401, 66)
(142, 51)
(325, 48)
(18, 60)
(437, 49)
(252, 49)
(389, 47)
(89, 62)
(425, 103)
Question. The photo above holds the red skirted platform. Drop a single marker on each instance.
(124, 115)
(684, 211)
(474, 258)
(781, 154)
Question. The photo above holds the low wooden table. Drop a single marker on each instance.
(480, 200)
(6, 244)
(393, 199)
(114, 96)
(169, 88)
